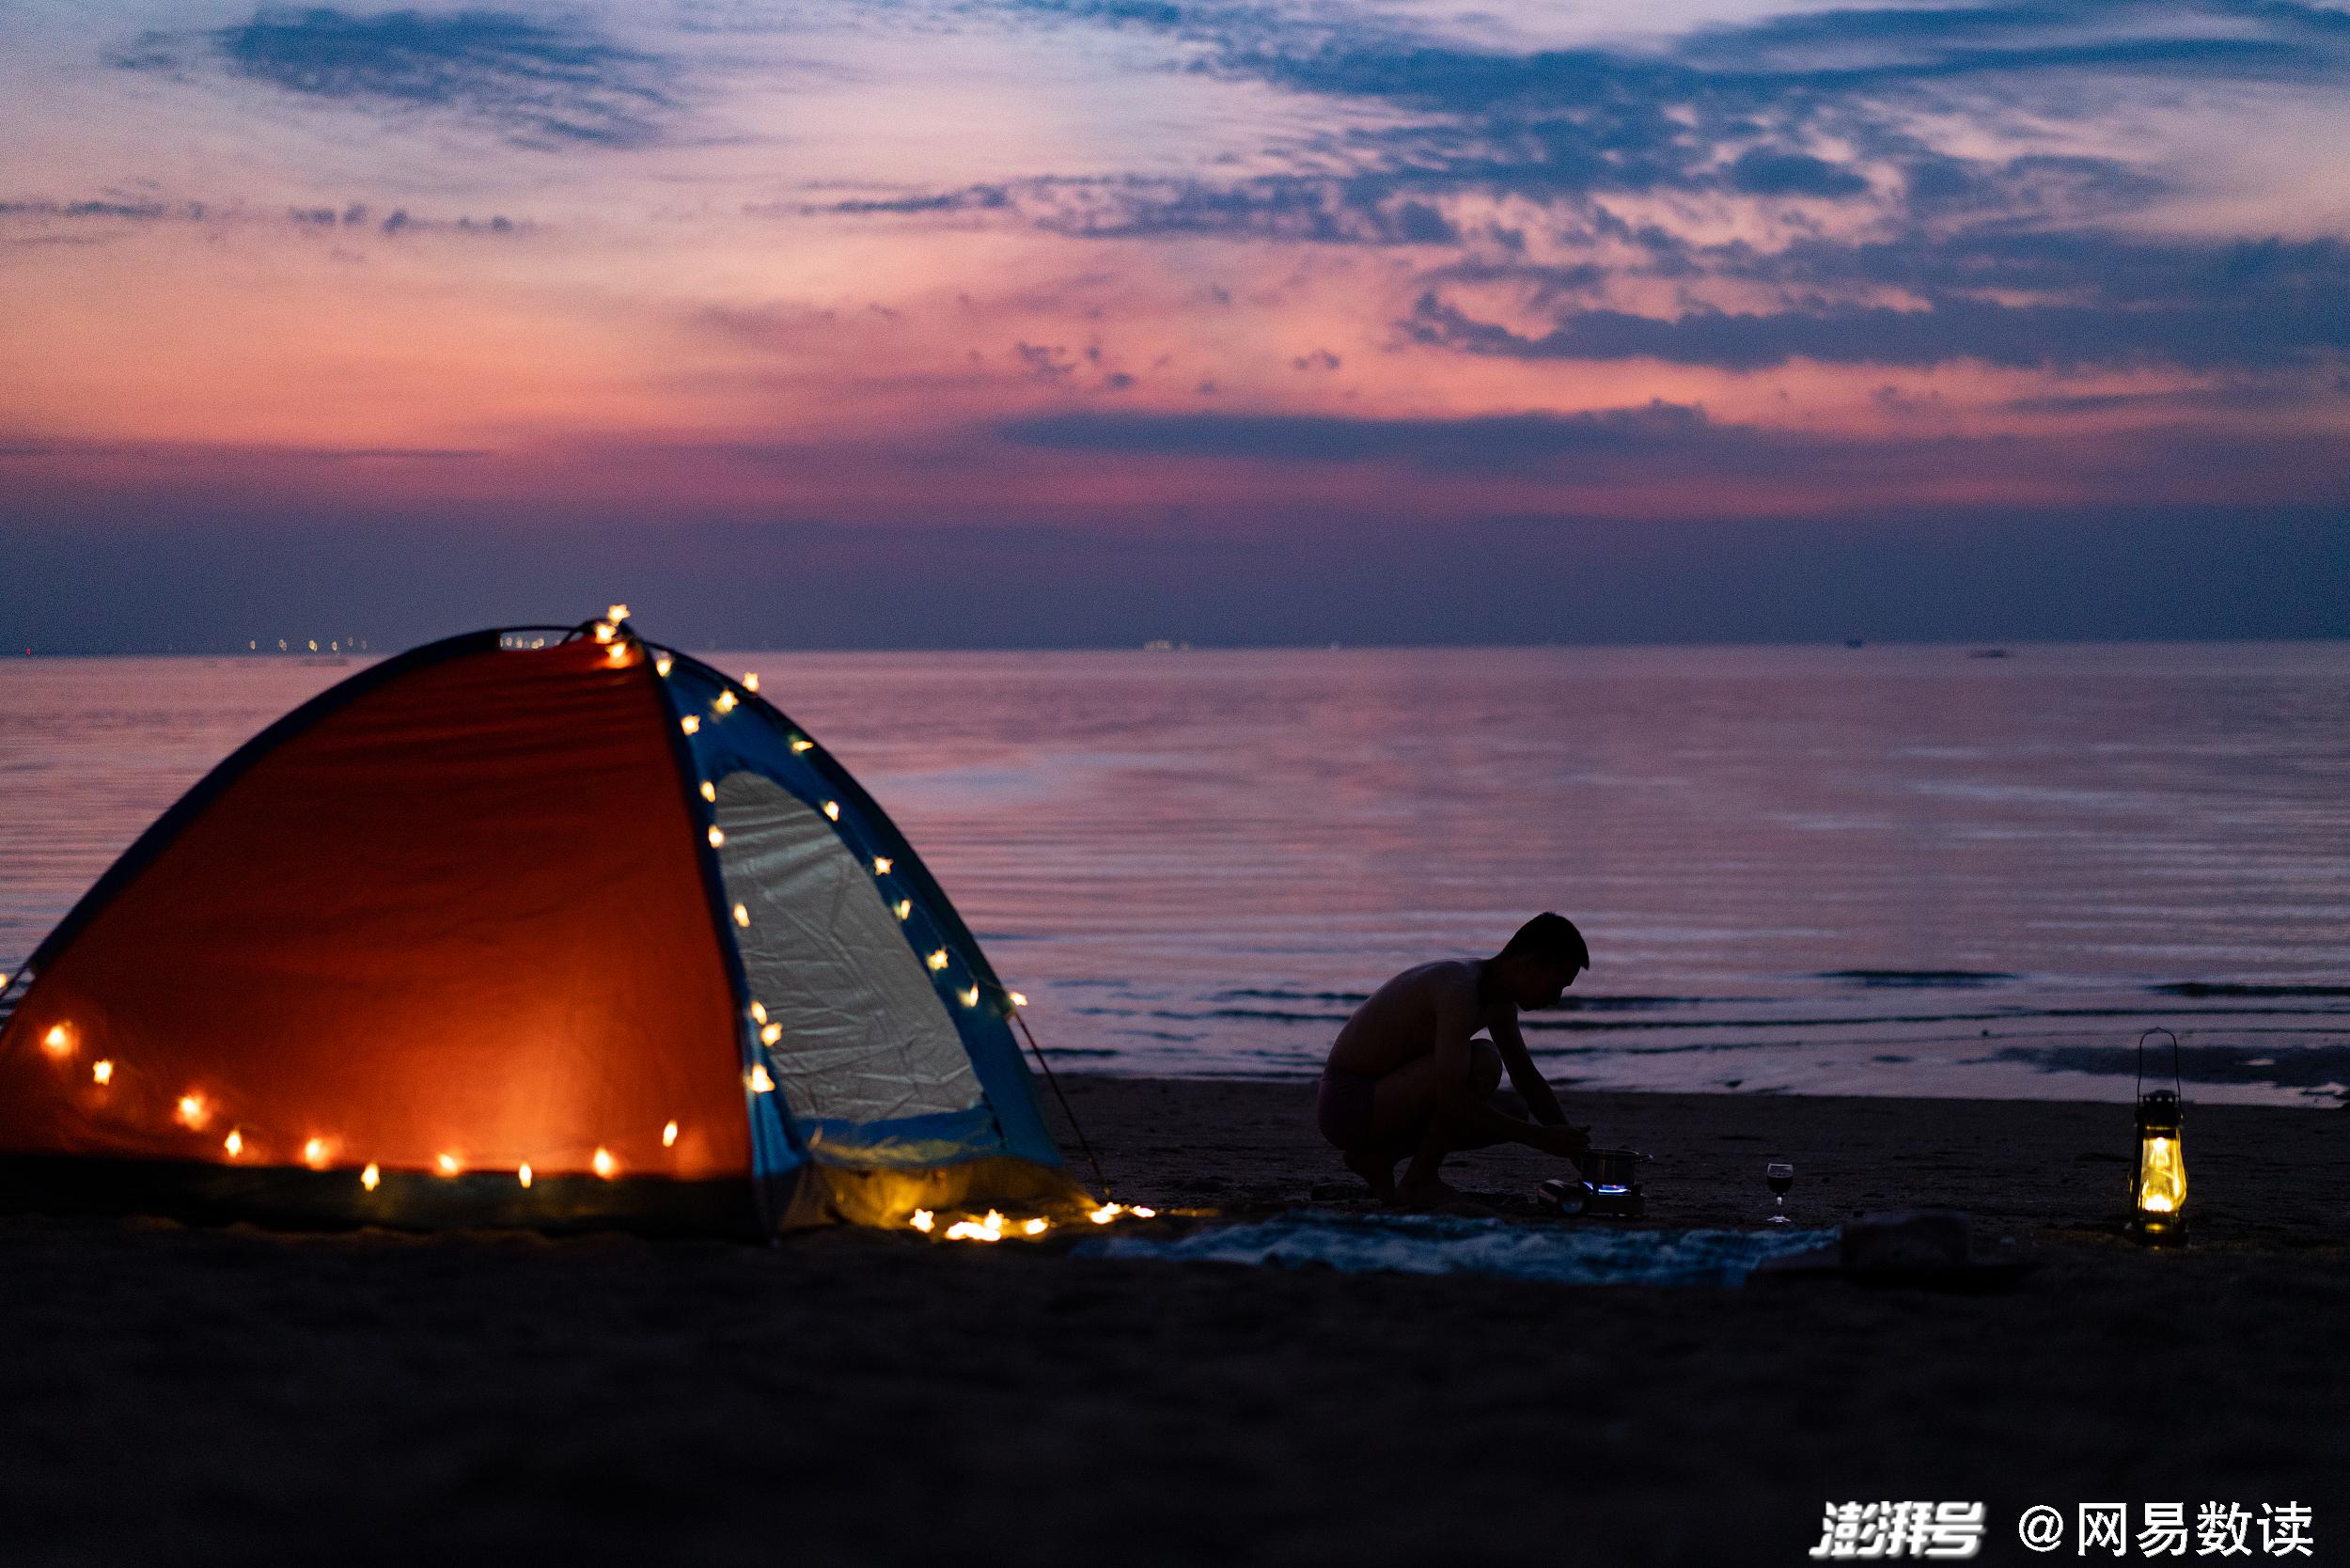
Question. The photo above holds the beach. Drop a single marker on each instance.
(180, 1394)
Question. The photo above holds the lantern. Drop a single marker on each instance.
(2158, 1176)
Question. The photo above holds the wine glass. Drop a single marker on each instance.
(1781, 1175)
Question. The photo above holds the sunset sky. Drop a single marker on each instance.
(1054, 321)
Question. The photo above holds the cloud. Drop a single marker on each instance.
(538, 83)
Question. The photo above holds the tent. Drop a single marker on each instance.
(522, 928)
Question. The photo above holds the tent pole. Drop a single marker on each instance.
(1101, 1180)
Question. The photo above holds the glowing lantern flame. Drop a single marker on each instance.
(103, 1072)
(937, 958)
(668, 1135)
(191, 1110)
(690, 724)
(717, 836)
(606, 1165)
(314, 1153)
(832, 809)
(2161, 1176)
(922, 1220)
(369, 1178)
(522, 1175)
(710, 790)
(234, 1143)
(760, 1082)
(448, 1165)
(881, 865)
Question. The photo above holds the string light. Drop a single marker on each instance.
(660, 666)
(881, 865)
(103, 1072)
(606, 1165)
(314, 1153)
(5, 978)
(771, 1034)
(58, 1042)
(923, 1219)
(616, 613)
(1104, 1215)
(191, 1110)
(970, 997)
(758, 1010)
(905, 908)
(618, 653)
(234, 1143)
(760, 1082)
(603, 631)
(1141, 1212)
(709, 791)
(448, 1165)
(832, 809)
(937, 958)
(750, 681)
(668, 1135)
(369, 1178)
(725, 702)
(690, 724)
(801, 742)
(1017, 999)
(522, 1175)
(990, 1228)
(742, 916)
(717, 836)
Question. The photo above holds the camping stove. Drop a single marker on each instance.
(1607, 1191)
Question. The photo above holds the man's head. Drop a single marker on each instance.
(1536, 966)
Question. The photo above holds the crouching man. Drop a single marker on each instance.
(1408, 1078)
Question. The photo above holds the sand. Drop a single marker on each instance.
(172, 1394)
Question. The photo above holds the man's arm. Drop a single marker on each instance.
(1533, 1087)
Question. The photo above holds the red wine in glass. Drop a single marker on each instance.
(1781, 1176)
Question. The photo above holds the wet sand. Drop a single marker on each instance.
(182, 1395)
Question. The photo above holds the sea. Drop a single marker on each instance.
(1889, 869)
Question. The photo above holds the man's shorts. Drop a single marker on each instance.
(1342, 1108)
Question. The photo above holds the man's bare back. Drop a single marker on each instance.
(1407, 1075)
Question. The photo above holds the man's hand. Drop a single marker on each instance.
(1566, 1142)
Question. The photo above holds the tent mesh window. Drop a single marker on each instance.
(863, 1034)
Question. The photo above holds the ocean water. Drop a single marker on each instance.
(1891, 870)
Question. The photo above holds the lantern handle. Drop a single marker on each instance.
(2177, 1088)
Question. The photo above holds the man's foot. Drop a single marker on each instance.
(1374, 1168)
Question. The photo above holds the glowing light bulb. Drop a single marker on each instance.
(801, 742)
(750, 681)
(725, 702)
(760, 1082)
(1104, 1215)
(832, 809)
(758, 1010)
(606, 1165)
(905, 908)
(742, 916)
(1034, 1228)
(314, 1153)
(103, 1072)
(717, 836)
(603, 631)
(668, 1135)
(690, 724)
(661, 666)
(617, 653)
(3, 979)
(881, 865)
(970, 997)
(369, 1178)
(1141, 1212)
(616, 613)
(191, 1110)
(710, 790)
(522, 1175)
(58, 1042)
(448, 1165)
(771, 1034)
(1018, 999)
(923, 1219)
(234, 1143)
(937, 958)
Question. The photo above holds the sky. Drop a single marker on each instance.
(1039, 322)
